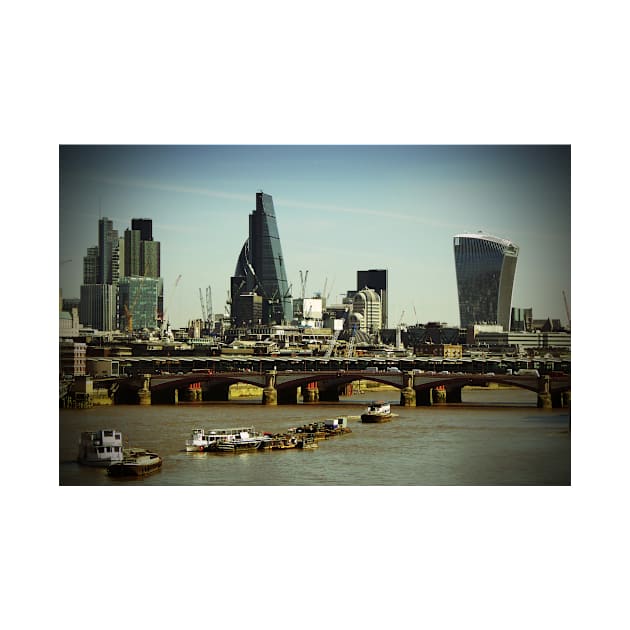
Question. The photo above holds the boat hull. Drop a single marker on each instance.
(136, 467)
(374, 418)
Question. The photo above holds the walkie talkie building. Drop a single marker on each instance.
(485, 267)
(260, 267)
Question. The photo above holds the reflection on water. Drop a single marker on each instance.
(494, 437)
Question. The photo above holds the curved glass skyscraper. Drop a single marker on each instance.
(485, 267)
(260, 267)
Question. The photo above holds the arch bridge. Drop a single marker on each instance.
(284, 386)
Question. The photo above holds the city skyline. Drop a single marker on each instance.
(339, 209)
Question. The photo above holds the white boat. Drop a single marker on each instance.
(202, 440)
(378, 411)
(136, 463)
(100, 448)
(244, 441)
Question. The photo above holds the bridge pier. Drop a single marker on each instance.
(270, 394)
(408, 397)
(439, 394)
(144, 393)
(544, 397)
(310, 393)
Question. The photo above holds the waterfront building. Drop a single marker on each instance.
(485, 267)
(366, 310)
(72, 358)
(260, 266)
(375, 279)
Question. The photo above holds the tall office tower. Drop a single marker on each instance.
(375, 279)
(260, 266)
(142, 253)
(132, 253)
(145, 227)
(150, 259)
(107, 236)
(485, 267)
(90, 266)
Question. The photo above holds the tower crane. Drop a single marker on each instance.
(209, 313)
(165, 321)
(566, 307)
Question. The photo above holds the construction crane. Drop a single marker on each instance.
(303, 279)
(209, 313)
(165, 320)
(566, 307)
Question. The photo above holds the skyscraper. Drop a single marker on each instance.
(375, 279)
(485, 267)
(107, 236)
(260, 266)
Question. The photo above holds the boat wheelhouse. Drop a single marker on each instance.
(202, 440)
(378, 411)
(100, 448)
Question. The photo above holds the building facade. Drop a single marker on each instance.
(260, 266)
(485, 267)
(138, 303)
(375, 279)
(366, 311)
(98, 306)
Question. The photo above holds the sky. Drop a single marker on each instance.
(339, 209)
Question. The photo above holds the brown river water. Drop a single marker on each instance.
(494, 437)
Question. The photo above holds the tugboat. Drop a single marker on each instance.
(100, 448)
(377, 412)
(136, 463)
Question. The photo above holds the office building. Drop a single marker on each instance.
(260, 267)
(138, 303)
(98, 306)
(107, 237)
(485, 267)
(90, 266)
(375, 279)
(366, 311)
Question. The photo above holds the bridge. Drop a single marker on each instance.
(284, 387)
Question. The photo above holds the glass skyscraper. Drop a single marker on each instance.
(485, 267)
(260, 267)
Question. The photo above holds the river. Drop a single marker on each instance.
(494, 437)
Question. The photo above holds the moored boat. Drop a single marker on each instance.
(378, 411)
(244, 441)
(100, 448)
(136, 463)
(207, 440)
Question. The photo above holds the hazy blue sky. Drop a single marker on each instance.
(339, 209)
